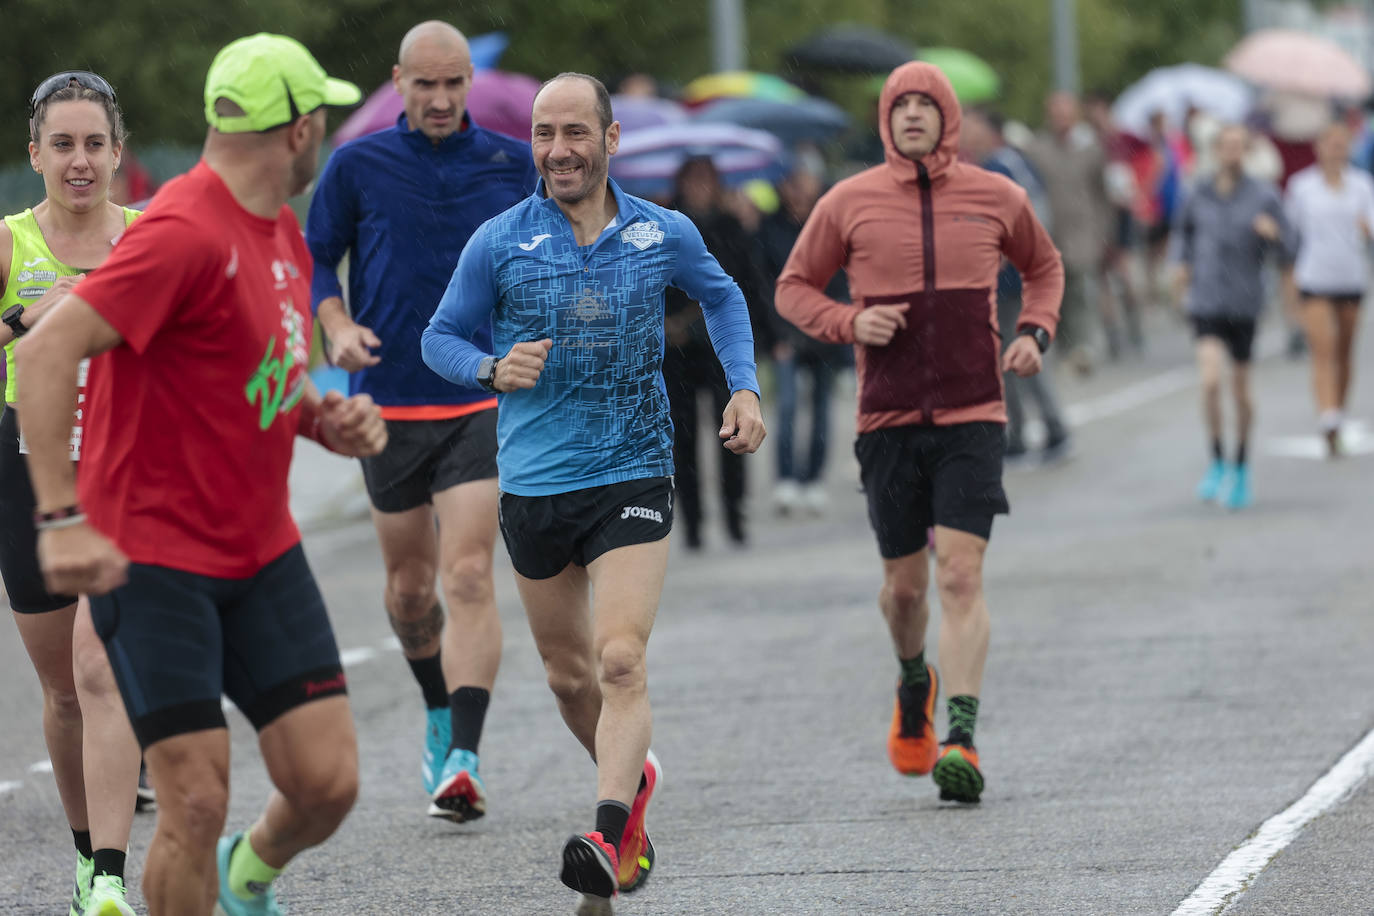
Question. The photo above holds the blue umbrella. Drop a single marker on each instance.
(648, 159)
(805, 120)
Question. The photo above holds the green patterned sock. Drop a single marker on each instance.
(915, 674)
(963, 715)
(249, 875)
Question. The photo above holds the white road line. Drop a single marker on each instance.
(350, 657)
(9, 785)
(42, 766)
(1224, 886)
(1131, 396)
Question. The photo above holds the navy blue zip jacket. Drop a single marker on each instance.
(402, 209)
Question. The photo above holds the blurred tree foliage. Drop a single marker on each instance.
(156, 52)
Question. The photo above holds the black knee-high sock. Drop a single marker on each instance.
(110, 862)
(611, 818)
(1218, 453)
(467, 707)
(429, 674)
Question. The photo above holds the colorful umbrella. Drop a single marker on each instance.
(973, 78)
(1174, 90)
(850, 49)
(648, 159)
(635, 112)
(740, 84)
(1293, 61)
(807, 119)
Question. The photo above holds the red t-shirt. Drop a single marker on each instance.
(193, 417)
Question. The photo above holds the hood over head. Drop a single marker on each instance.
(919, 76)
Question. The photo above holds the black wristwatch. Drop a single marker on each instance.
(1039, 334)
(486, 372)
(12, 317)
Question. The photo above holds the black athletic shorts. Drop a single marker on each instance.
(18, 539)
(545, 533)
(919, 476)
(423, 457)
(178, 641)
(1238, 334)
(1348, 299)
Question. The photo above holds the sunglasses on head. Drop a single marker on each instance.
(59, 81)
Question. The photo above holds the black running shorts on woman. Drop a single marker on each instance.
(545, 533)
(423, 457)
(18, 539)
(177, 641)
(918, 476)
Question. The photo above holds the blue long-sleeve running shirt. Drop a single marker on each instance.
(402, 208)
(599, 413)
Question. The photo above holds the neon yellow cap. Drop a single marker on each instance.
(273, 79)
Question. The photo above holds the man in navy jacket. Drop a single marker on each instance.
(402, 203)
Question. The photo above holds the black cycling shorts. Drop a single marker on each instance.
(545, 533)
(919, 476)
(18, 539)
(178, 641)
(1238, 334)
(423, 457)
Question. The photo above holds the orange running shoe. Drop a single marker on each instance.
(636, 850)
(911, 743)
(957, 774)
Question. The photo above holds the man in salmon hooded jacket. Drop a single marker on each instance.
(921, 238)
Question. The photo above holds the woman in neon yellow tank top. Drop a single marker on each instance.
(76, 133)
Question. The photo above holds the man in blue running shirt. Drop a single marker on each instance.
(401, 204)
(571, 281)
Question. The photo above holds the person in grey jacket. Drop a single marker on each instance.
(1225, 229)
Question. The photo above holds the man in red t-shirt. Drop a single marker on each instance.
(200, 327)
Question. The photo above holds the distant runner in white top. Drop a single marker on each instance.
(1331, 207)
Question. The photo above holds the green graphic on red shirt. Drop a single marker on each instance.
(267, 389)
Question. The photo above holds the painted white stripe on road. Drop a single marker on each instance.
(1130, 397)
(42, 766)
(349, 657)
(1224, 886)
(9, 785)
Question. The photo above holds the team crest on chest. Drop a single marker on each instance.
(642, 234)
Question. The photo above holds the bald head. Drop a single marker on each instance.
(569, 84)
(433, 34)
(433, 74)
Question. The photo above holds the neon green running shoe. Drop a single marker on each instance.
(81, 893)
(957, 774)
(107, 897)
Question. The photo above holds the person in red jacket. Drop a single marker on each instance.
(921, 238)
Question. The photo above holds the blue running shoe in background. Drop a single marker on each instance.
(1238, 487)
(1210, 487)
(231, 904)
(460, 795)
(438, 736)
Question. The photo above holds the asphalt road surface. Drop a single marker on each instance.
(1164, 677)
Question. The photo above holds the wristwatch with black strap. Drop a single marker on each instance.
(1036, 333)
(13, 317)
(486, 372)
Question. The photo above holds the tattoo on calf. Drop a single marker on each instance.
(416, 634)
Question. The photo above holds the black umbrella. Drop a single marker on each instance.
(850, 49)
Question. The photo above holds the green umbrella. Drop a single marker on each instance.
(973, 79)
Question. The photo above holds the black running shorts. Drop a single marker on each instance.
(177, 641)
(423, 457)
(545, 533)
(18, 539)
(1346, 299)
(1238, 334)
(918, 476)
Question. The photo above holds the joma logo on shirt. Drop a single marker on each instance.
(641, 512)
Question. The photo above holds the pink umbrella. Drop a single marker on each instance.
(1293, 61)
(498, 101)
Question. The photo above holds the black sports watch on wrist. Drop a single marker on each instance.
(1038, 334)
(486, 372)
(13, 317)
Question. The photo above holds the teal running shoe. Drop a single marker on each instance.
(1238, 487)
(231, 904)
(438, 736)
(460, 796)
(1210, 487)
(107, 897)
(81, 892)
